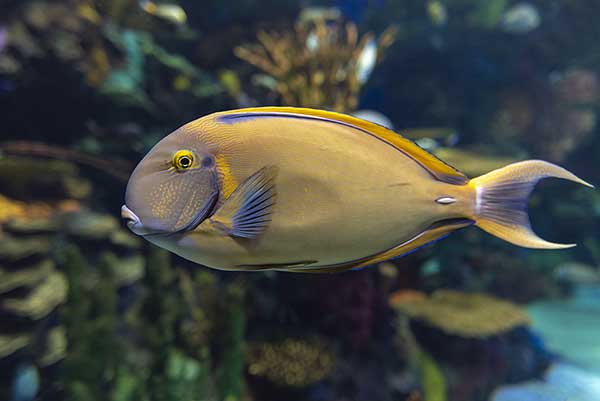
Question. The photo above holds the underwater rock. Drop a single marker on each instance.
(318, 65)
(292, 362)
(11, 343)
(463, 314)
(41, 300)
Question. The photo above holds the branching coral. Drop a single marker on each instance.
(321, 66)
(294, 363)
(463, 314)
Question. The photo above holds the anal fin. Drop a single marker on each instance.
(277, 266)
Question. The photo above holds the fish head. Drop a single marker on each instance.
(173, 189)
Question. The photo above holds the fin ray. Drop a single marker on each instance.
(246, 213)
(501, 201)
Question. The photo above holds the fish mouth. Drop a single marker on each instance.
(131, 218)
(134, 223)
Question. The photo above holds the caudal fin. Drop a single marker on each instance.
(501, 201)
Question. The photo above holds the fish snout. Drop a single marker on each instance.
(131, 218)
(135, 224)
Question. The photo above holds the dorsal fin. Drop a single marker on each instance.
(431, 163)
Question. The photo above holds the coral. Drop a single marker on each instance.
(320, 66)
(26, 277)
(577, 86)
(90, 321)
(292, 362)
(187, 378)
(432, 377)
(118, 168)
(49, 30)
(128, 270)
(201, 294)
(56, 346)
(404, 296)
(553, 118)
(91, 225)
(41, 300)
(38, 180)
(12, 343)
(465, 315)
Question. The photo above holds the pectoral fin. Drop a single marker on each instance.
(247, 211)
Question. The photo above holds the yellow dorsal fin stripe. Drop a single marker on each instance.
(435, 166)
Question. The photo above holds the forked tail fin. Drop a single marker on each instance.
(501, 201)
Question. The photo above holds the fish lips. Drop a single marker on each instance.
(134, 223)
(136, 226)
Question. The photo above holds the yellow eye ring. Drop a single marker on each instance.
(183, 159)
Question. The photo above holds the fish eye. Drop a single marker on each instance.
(183, 159)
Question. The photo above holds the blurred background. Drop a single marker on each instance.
(90, 312)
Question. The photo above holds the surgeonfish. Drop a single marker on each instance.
(293, 189)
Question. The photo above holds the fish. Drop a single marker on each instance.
(304, 190)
